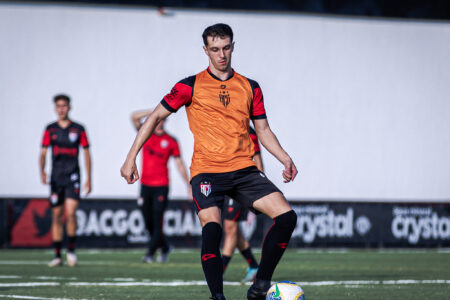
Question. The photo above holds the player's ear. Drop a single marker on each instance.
(232, 46)
(206, 50)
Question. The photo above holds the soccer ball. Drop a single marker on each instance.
(285, 290)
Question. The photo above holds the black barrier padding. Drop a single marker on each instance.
(119, 224)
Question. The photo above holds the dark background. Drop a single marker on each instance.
(416, 9)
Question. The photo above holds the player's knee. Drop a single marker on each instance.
(58, 219)
(288, 220)
(230, 227)
(211, 228)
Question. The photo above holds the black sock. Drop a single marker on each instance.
(275, 242)
(72, 240)
(248, 255)
(225, 261)
(211, 261)
(57, 245)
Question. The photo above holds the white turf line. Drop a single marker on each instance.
(233, 283)
(32, 297)
(28, 284)
(353, 283)
(45, 262)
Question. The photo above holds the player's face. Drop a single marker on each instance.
(62, 109)
(159, 129)
(219, 52)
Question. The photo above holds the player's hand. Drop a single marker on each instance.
(129, 171)
(189, 193)
(87, 187)
(290, 171)
(44, 178)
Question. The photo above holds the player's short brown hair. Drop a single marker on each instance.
(61, 97)
(219, 29)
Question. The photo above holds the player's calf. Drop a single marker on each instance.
(274, 245)
(211, 260)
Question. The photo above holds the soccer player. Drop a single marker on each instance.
(234, 212)
(155, 183)
(64, 137)
(219, 105)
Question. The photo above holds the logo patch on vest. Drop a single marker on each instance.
(224, 96)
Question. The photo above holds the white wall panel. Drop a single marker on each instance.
(363, 106)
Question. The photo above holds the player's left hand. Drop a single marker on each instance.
(290, 171)
(87, 188)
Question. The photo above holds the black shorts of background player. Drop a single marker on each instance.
(64, 137)
(156, 153)
(233, 213)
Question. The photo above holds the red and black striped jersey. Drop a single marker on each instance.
(64, 143)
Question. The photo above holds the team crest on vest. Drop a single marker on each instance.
(224, 96)
(73, 136)
(205, 188)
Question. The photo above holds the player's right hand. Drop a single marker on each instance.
(44, 178)
(129, 171)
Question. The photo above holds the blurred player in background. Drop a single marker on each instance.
(155, 183)
(219, 104)
(64, 137)
(234, 212)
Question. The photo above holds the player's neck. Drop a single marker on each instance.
(63, 123)
(222, 75)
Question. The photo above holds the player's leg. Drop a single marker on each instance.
(159, 196)
(210, 253)
(208, 195)
(57, 234)
(254, 190)
(56, 203)
(231, 213)
(159, 209)
(71, 206)
(275, 242)
(230, 229)
(146, 203)
(244, 247)
(72, 199)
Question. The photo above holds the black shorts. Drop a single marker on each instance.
(155, 195)
(234, 211)
(245, 186)
(59, 193)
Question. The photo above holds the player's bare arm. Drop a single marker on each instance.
(42, 158)
(183, 172)
(88, 162)
(258, 162)
(271, 143)
(137, 116)
(129, 170)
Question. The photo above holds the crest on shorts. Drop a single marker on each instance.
(73, 136)
(205, 188)
(224, 96)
